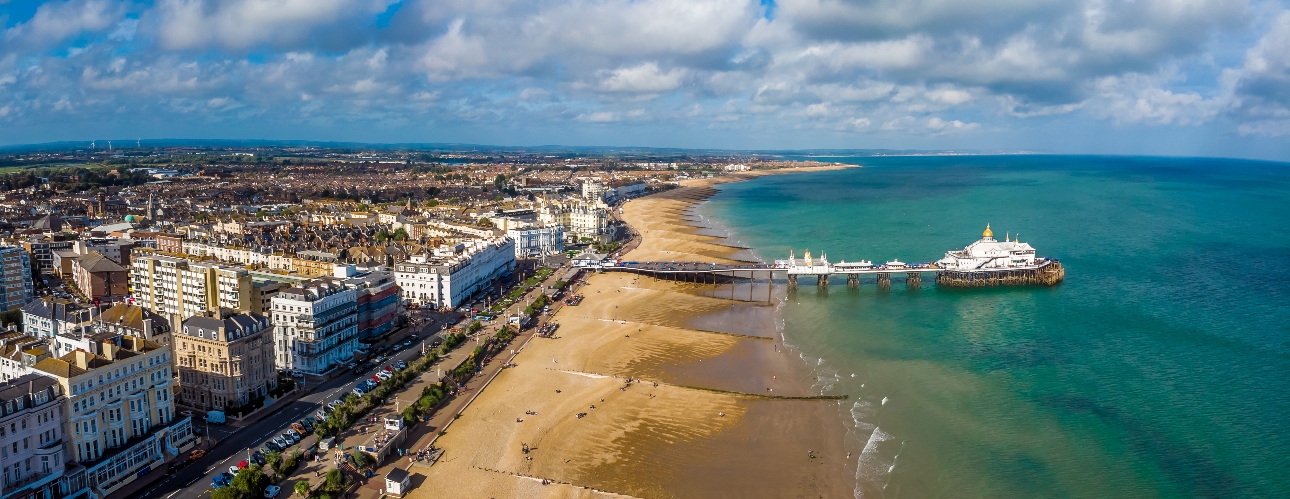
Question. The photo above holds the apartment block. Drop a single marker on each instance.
(448, 276)
(16, 286)
(184, 288)
(315, 325)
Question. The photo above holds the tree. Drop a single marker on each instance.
(302, 488)
(334, 479)
(250, 481)
(400, 234)
(274, 460)
(360, 459)
(499, 182)
(485, 223)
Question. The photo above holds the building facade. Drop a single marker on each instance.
(16, 286)
(452, 273)
(98, 277)
(579, 220)
(537, 242)
(177, 286)
(42, 250)
(225, 361)
(377, 297)
(32, 417)
(120, 412)
(315, 326)
(53, 316)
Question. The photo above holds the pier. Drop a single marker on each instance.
(984, 263)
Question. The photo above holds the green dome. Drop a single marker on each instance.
(129, 218)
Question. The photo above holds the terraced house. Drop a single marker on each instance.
(120, 412)
(31, 441)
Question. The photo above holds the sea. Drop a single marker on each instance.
(1158, 368)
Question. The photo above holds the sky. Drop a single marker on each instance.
(1162, 77)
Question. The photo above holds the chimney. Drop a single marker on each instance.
(82, 359)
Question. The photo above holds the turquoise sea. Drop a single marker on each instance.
(1159, 368)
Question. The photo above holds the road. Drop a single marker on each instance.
(232, 445)
(194, 481)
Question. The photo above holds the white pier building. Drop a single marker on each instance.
(989, 254)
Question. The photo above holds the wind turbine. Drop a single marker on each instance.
(91, 145)
(109, 146)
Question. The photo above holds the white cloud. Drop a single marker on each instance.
(642, 78)
(243, 24)
(598, 117)
(58, 21)
(920, 68)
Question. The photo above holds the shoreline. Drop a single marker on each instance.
(728, 411)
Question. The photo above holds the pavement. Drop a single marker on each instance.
(228, 444)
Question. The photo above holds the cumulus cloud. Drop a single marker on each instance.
(58, 21)
(921, 68)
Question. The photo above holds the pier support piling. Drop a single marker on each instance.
(822, 281)
(792, 282)
(914, 280)
(884, 281)
(853, 281)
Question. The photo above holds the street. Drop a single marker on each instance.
(233, 444)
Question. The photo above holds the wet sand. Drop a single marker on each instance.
(701, 421)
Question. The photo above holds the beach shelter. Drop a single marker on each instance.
(397, 482)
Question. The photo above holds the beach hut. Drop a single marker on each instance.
(397, 482)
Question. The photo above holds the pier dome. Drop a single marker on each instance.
(988, 232)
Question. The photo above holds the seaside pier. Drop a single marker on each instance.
(984, 263)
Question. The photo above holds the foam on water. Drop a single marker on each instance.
(872, 467)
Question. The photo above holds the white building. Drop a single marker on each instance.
(315, 325)
(988, 254)
(579, 220)
(450, 275)
(536, 242)
(120, 413)
(593, 190)
(51, 317)
(31, 449)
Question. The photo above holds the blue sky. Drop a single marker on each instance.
(1173, 77)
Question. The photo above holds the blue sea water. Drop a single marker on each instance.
(1157, 369)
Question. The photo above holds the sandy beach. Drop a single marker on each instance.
(703, 419)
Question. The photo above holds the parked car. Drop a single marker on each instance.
(280, 442)
(299, 428)
(233, 469)
(220, 481)
(216, 417)
(388, 369)
(321, 414)
(292, 435)
(400, 365)
(197, 454)
(384, 375)
(271, 491)
(308, 423)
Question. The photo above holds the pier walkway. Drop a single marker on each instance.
(1043, 271)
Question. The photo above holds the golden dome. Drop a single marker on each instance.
(988, 232)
